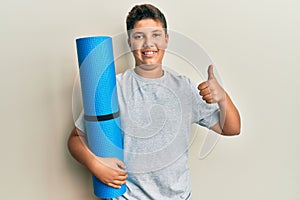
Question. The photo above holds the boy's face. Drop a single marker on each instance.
(148, 42)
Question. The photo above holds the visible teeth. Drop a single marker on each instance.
(148, 52)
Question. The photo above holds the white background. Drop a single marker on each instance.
(255, 45)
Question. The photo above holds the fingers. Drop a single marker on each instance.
(111, 171)
(208, 98)
(119, 178)
(115, 178)
(203, 85)
(116, 183)
(120, 174)
(205, 92)
(113, 163)
(206, 95)
(210, 90)
(120, 164)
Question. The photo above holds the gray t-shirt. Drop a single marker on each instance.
(156, 117)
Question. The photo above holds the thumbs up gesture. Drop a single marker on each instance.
(210, 90)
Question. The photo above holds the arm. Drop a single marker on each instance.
(108, 170)
(212, 92)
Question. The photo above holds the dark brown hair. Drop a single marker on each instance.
(145, 11)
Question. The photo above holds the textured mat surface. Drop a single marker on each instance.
(99, 95)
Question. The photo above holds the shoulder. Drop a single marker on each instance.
(179, 79)
(124, 75)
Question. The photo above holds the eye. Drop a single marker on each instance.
(137, 37)
(156, 35)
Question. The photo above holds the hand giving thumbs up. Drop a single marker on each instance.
(210, 90)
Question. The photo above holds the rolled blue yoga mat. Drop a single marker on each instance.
(100, 103)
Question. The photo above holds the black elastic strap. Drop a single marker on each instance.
(101, 117)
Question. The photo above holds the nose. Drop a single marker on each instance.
(148, 42)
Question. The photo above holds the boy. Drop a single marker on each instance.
(156, 112)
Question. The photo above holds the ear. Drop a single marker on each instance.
(167, 39)
(129, 42)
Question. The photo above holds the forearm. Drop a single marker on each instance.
(108, 170)
(77, 145)
(229, 117)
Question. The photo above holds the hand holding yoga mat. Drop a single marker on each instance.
(100, 103)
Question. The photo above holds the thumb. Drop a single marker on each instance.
(210, 72)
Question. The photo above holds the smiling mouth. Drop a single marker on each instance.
(149, 53)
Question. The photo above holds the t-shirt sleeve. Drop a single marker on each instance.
(211, 119)
(79, 123)
(204, 114)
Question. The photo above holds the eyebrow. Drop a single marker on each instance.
(140, 32)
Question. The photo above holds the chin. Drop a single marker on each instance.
(149, 64)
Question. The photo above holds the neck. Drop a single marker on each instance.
(149, 71)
